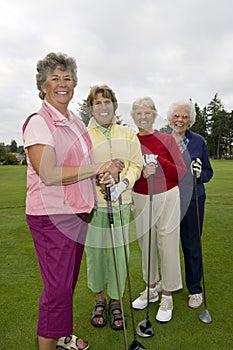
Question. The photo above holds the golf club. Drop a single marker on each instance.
(111, 222)
(205, 316)
(145, 328)
(135, 345)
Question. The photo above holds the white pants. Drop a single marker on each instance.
(165, 237)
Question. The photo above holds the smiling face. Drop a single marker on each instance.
(102, 110)
(144, 118)
(180, 120)
(59, 89)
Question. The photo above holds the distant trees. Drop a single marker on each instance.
(11, 159)
(213, 122)
(2, 152)
(11, 154)
(201, 123)
(13, 146)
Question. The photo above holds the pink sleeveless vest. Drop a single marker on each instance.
(69, 148)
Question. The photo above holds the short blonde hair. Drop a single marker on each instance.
(144, 101)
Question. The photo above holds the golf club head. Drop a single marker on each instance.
(205, 316)
(145, 329)
(135, 345)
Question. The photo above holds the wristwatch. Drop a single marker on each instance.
(126, 181)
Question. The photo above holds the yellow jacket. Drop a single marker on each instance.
(124, 145)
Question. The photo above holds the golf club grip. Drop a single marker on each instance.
(109, 204)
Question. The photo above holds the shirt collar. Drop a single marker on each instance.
(102, 129)
(57, 116)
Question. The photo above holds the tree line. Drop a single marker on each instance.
(213, 122)
(11, 154)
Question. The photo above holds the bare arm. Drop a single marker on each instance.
(43, 159)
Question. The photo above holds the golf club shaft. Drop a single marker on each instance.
(127, 263)
(111, 221)
(199, 235)
(151, 180)
(145, 328)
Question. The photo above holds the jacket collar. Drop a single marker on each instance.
(188, 134)
(92, 123)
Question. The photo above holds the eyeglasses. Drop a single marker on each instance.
(183, 117)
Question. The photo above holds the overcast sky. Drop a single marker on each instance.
(164, 49)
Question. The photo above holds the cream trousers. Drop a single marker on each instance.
(165, 237)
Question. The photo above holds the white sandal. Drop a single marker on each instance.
(71, 343)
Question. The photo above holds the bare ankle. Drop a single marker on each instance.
(166, 292)
(100, 296)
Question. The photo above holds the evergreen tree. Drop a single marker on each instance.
(200, 126)
(2, 152)
(218, 125)
(13, 146)
(83, 112)
(230, 136)
(21, 150)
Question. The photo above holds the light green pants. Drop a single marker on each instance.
(101, 270)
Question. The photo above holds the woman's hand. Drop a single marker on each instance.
(149, 169)
(106, 179)
(119, 164)
(113, 167)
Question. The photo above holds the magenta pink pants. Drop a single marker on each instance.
(59, 242)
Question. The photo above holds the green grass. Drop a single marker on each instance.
(21, 284)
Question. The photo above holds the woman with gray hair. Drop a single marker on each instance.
(162, 161)
(181, 116)
(61, 194)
